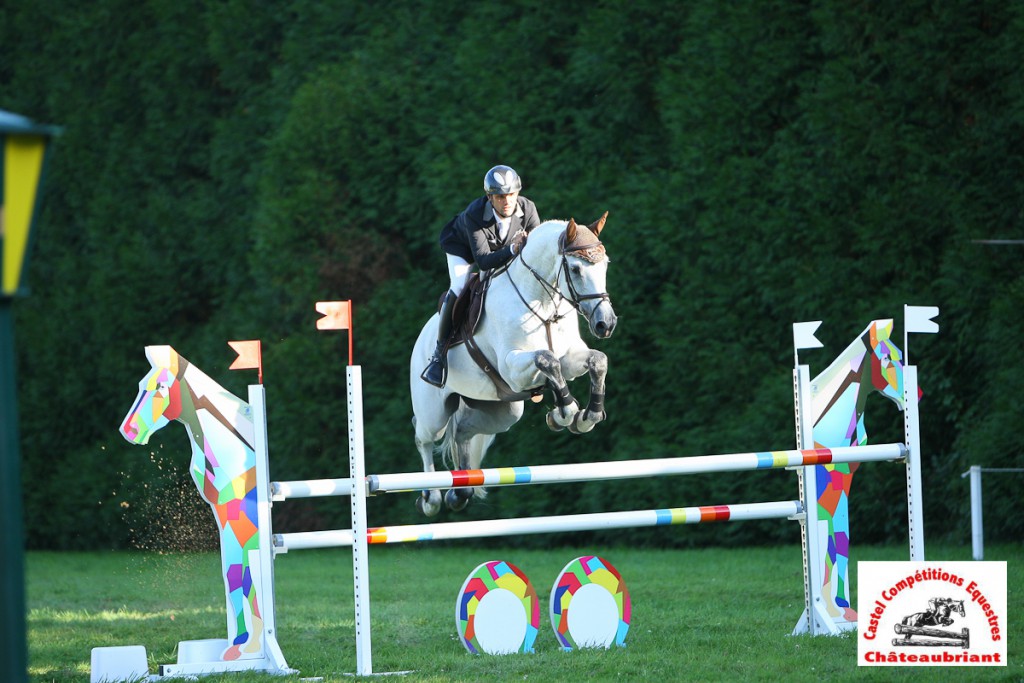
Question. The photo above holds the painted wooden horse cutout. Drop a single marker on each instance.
(223, 467)
(871, 363)
(530, 333)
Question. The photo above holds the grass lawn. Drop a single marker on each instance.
(698, 615)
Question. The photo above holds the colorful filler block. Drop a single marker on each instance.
(497, 611)
(590, 605)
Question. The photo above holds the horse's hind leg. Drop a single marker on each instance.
(476, 425)
(475, 450)
(428, 502)
(458, 498)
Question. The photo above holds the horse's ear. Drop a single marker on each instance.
(570, 232)
(597, 226)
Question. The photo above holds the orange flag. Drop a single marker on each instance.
(337, 315)
(250, 356)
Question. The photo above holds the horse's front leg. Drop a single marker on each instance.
(566, 407)
(595, 364)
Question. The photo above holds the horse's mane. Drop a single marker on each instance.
(552, 226)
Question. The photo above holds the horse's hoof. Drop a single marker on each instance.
(426, 508)
(552, 425)
(581, 425)
(455, 500)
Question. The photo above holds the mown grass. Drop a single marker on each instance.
(698, 615)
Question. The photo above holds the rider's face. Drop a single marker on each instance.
(504, 204)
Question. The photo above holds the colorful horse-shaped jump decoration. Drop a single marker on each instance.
(872, 362)
(220, 428)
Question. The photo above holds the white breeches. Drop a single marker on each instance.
(458, 272)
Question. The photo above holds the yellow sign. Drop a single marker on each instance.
(23, 165)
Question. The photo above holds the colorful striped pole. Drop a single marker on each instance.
(632, 469)
(590, 471)
(412, 533)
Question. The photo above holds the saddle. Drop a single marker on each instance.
(466, 315)
(468, 310)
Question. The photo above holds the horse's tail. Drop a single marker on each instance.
(449, 446)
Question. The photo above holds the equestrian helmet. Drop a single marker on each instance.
(502, 180)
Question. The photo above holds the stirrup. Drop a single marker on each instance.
(430, 374)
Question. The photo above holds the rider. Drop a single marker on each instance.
(489, 232)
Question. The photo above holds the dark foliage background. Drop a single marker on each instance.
(226, 164)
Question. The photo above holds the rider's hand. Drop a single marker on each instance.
(518, 241)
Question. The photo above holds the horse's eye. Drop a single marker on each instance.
(576, 269)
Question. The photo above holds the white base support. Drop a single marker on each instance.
(195, 658)
(115, 664)
(823, 624)
(199, 657)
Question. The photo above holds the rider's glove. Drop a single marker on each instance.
(517, 241)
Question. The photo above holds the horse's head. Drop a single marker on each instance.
(886, 368)
(585, 263)
(871, 363)
(159, 399)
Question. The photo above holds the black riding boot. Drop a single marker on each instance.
(437, 371)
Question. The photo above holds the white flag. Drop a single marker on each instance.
(919, 319)
(803, 335)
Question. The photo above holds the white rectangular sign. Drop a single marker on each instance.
(931, 613)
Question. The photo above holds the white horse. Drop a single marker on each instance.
(529, 334)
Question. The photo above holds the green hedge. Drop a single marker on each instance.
(225, 165)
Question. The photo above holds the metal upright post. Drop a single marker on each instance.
(912, 437)
(271, 646)
(977, 525)
(815, 619)
(360, 548)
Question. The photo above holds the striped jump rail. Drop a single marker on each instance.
(413, 533)
(591, 471)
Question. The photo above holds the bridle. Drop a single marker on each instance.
(563, 251)
(554, 290)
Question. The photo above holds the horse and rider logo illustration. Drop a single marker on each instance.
(939, 613)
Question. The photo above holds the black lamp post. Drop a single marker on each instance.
(24, 147)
